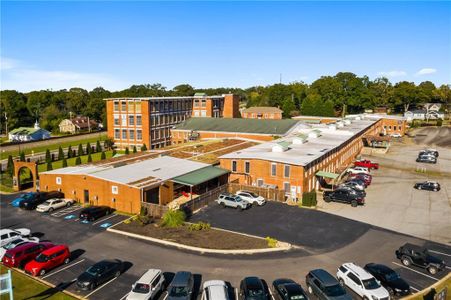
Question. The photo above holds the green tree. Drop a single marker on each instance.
(134, 149)
(88, 148)
(60, 153)
(14, 105)
(405, 94)
(69, 152)
(98, 147)
(114, 152)
(183, 90)
(78, 161)
(103, 155)
(127, 151)
(64, 162)
(89, 158)
(288, 106)
(80, 151)
(308, 105)
(328, 109)
(22, 156)
(10, 166)
(143, 148)
(108, 143)
(48, 157)
(49, 166)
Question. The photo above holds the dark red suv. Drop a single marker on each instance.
(18, 257)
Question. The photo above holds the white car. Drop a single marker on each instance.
(17, 242)
(357, 170)
(251, 197)
(361, 282)
(148, 286)
(395, 135)
(9, 235)
(52, 204)
(215, 289)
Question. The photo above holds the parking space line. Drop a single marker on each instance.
(125, 296)
(414, 271)
(66, 267)
(66, 211)
(165, 296)
(439, 253)
(416, 290)
(236, 293)
(97, 289)
(272, 296)
(112, 216)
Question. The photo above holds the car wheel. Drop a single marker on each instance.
(435, 190)
(391, 292)
(419, 187)
(405, 261)
(222, 204)
(354, 203)
(50, 209)
(117, 274)
(92, 286)
(42, 272)
(66, 261)
(68, 204)
(309, 288)
(327, 199)
(432, 270)
(341, 281)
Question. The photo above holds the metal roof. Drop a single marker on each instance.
(200, 176)
(327, 174)
(262, 109)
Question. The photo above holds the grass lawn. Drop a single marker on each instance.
(63, 145)
(25, 287)
(6, 183)
(71, 161)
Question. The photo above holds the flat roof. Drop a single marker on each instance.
(262, 109)
(238, 125)
(312, 148)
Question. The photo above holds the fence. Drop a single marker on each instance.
(6, 286)
(154, 210)
(267, 193)
(204, 199)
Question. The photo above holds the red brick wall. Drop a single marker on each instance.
(231, 106)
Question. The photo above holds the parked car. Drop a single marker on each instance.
(324, 286)
(17, 242)
(19, 256)
(148, 286)
(22, 197)
(99, 273)
(358, 181)
(52, 204)
(427, 159)
(9, 235)
(427, 185)
(230, 200)
(345, 196)
(48, 260)
(354, 185)
(181, 287)
(93, 213)
(366, 163)
(251, 197)
(287, 289)
(215, 290)
(361, 282)
(358, 170)
(252, 288)
(40, 198)
(410, 254)
(365, 177)
(395, 135)
(393, 283)
(427, 151)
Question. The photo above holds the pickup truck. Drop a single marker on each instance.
(367, 164)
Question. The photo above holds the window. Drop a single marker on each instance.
(247, 167)
(286, 187)
(116, 106)
(117, 134)
(286, 171)
(260, 182)
(131, 134)
(116, 120)
(124, 134)
(138, 107)
(139, 135)
(123, 106)
(58, 180)
(138, 120)
(233, 165)
(131, 120)
(204, 103)
(131, 106)
(114, 190)
(354, 278)
(124, 120)
(196, 103)
(273, 169)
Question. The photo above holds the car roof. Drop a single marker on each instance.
(253, 282)
(216, 289)
(358, 270)
(149, 275)
(381, 268)
(26, 246)
(325, 277)
(293, 288)
(181, 278)
(209, 283)
(54, 249)
(413, 247)
(107, 262)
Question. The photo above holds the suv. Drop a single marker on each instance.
(367, 164)
(227, 199)
(41, 197)
(391, 280)
(215, 290)
(429, 151)
(9, 235)
(427, 185)
(21, 255)
(181, 287)
(345, 196)
(47, 260)
(361, 282)
(251, 197)
(93, 213)
(410, 254)
(148, 286)
(16, 243)
(324, 286)
(427, 159)
(252, 288)
(287, 289)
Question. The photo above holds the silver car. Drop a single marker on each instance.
(230, 200)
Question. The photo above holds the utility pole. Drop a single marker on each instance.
(6, 124)
(280, 78)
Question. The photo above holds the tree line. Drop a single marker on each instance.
(335, 95)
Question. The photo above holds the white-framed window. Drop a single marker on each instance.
(260, 182)
(273, 169)
(138, 120)
(114, 189)
(116, 120)
(131, 120)
(131, 134)
(124, 120)
(58, 180)
(204, 103)
(139, 135)
(116, 105)
(123, 106)
(124, 134)
(286, 187)
(117, 134)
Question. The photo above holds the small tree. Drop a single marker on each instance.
(78, 161)
(22, 156)
(60, 153)
(134, 149)
(89, 158)
(439, 122)
(10, 167)
(69, 152)
(144, 148)
(114, 152)
(103, 155)
(48, 157)
(127, 151)
(80, 150)
(88, 148)
(173, 218)
(49, 166)
(64, 163)
(98, 147)
(108, 144)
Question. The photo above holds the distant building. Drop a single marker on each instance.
(262, 112)
(77, 124)
(432, 106)
(25, 134)
(422, 114)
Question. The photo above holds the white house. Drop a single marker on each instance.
(25, 134)
(422, 114)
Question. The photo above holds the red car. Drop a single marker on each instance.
(48, 259)
(21, 255)
(367, 164)
(365, 177)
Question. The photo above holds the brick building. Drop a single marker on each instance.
(137, 121)
(262, 112)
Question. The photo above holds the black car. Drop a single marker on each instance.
(427, 185)
(391, 280)
(99, 273)
(428, 151)
(39, 198)
(287, 289)
(181, 287)
(358, 181)
(410, 254)
(345, 196)
(325, 286)
(252, 288)
(93, 213)
(427, 159)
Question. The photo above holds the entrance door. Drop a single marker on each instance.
(86, 196)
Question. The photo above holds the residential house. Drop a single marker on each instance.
(78, 124)
(25, 134)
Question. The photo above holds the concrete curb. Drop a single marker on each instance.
(281, 246)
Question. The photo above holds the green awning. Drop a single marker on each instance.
(200, 176)
(327, 174)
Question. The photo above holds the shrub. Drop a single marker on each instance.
(88, 148)
(60, 153)
(143, 211)
(89, 158)
(49, 166)
(114, 152)
(80, 150)
(78, 161)
(10, 167)
(272, 243)
(128, 221)
(439, 122)
(48, 158)
(127, 151)
(309, 199)
(102, 155)
(134, 149)
(144, 220)
(98, 147)
(173, 218)
(199, 226)
(69, 152)
(64, 163)
(144, 148)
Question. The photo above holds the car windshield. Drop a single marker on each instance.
(48, 202)
(12, 244)
(391, 276)
(42, 258)
(370, 284)
(238, 199)
(178, 291)
(253, 194)
(335, 290)
(256, 293)
(141, 288)
(95, 270)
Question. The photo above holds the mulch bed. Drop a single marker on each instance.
(210, 239)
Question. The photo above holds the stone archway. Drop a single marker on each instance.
(32, 167)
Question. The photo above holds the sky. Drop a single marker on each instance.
(59, 45)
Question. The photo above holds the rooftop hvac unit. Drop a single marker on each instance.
(280, 147)
(332, 127)
(347, 122)
(358, 118)
(314, 133)
(340, 124)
